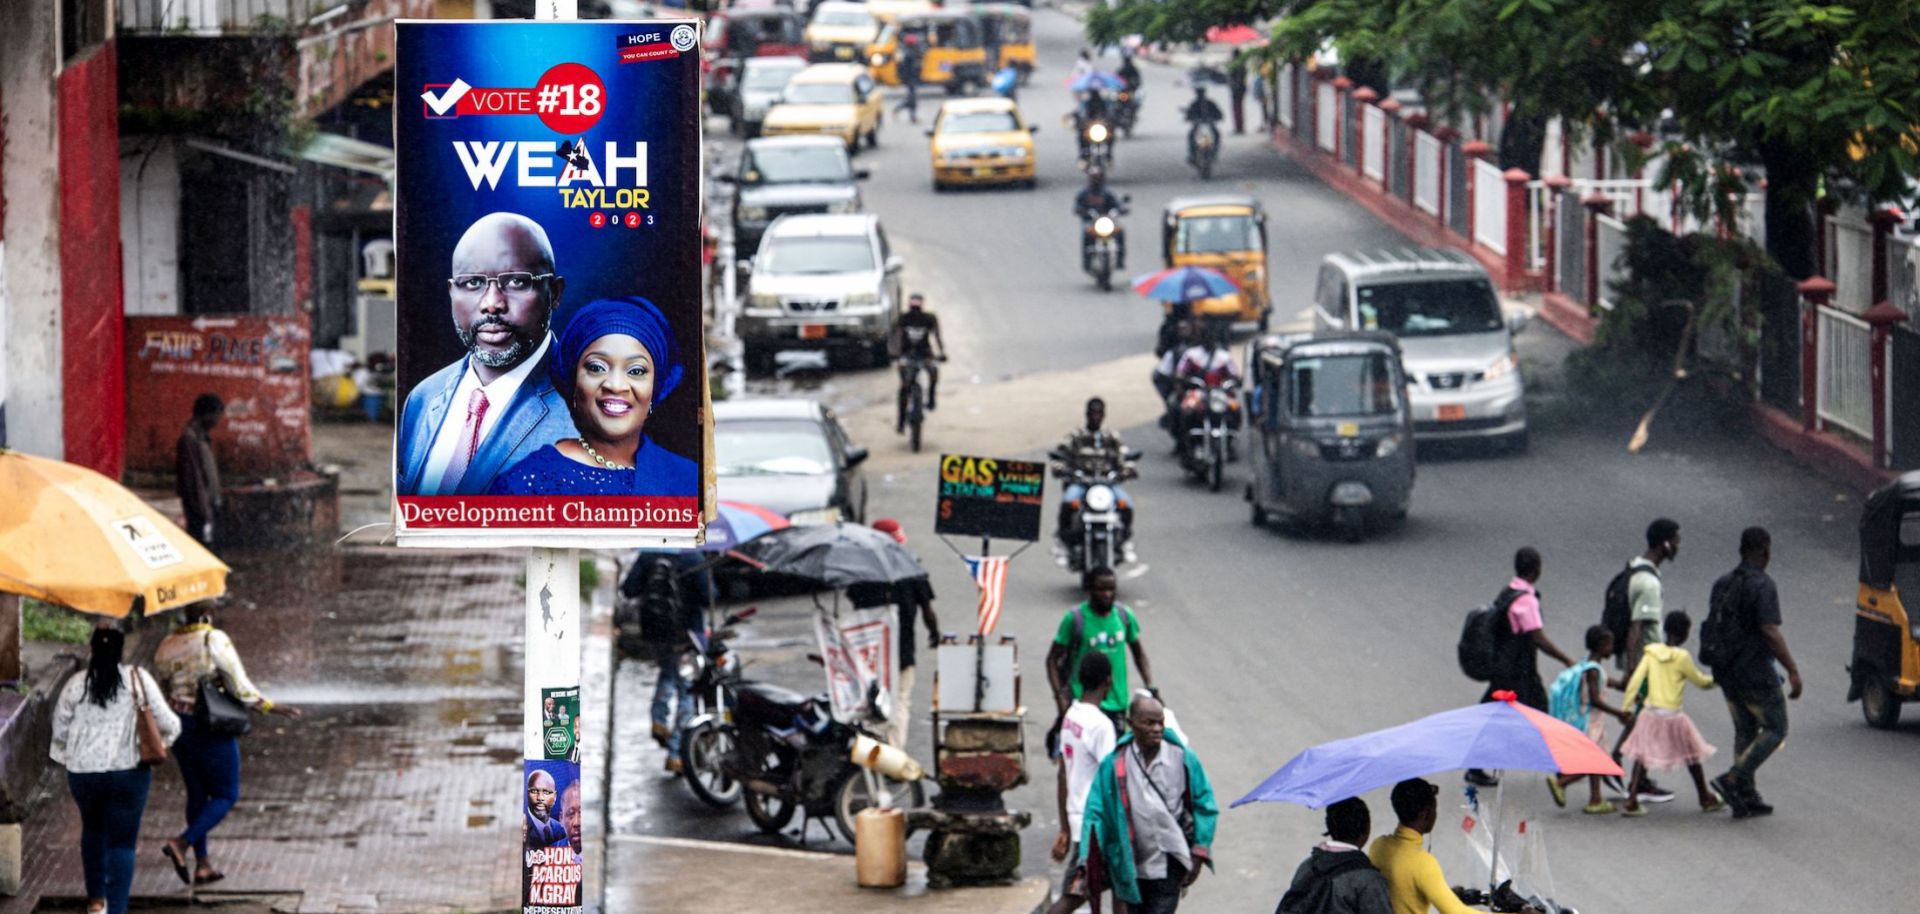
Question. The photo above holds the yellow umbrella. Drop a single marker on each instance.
(71, 536)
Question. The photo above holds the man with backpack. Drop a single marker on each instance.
(1515, 645)
(1099, 624)
(1337, 877)
(672, 593)
(1632, 614)
(1741, 641)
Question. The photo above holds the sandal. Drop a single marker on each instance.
(1559, 792)
(1635, 812)
(178, 860)
(204, 879)
(1602, 808)
(1714, 805)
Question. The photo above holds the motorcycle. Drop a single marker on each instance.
(711, 670)
(1127, 111)
(1096, 147)
(1205, 151)
(1210, 414)
(1103, 247)
(789, 754)
(1096, 535)
(1504, 900)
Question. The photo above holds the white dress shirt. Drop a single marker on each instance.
(499, 393)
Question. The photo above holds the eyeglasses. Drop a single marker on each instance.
(517, 284)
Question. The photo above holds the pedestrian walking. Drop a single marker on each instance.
(1086, 738)
(673, 592)
(96, 719)
(1150, 817)
(1666, 737)
(911, 598)
(1633, 613)
(1578, 697)
(196, 472)
(1518, 668)
(1337, 877)
(1237, 92)
(1100, 624)
(908, 68)
(208, 686)
(1415, 882)
(1741, 641)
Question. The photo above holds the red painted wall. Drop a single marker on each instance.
(91, 322)
(256, 363)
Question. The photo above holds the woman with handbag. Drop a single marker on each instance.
(110, 726)
(207, 684)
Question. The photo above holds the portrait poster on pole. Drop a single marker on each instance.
(551, 365)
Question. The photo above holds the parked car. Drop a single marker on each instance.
(762, 79)
(981, 141)
(791, 457)
(781, 175)
(829, 99)
(736, 35)
(1463, 379)
(821, 282)
(840, 31)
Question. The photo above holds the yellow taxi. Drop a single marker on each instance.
(981, 141)
(840, 31)
(828, 99)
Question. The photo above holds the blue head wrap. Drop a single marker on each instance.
(632, 316)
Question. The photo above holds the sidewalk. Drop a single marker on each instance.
(396, 791)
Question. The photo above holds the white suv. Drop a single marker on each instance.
(1462, 376)
(821, 282)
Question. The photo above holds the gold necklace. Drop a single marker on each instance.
(599, 459)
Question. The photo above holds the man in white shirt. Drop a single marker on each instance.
(1086, 737)
(466, 422)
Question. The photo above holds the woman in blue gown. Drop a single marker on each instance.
(616, 360)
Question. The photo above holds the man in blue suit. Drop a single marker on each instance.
(468, 421)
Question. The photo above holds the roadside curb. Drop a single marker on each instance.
(1825, 453)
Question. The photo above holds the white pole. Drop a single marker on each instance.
(1494, 825)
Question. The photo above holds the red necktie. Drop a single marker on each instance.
(469, 442)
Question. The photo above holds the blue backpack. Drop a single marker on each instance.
(1564, 700)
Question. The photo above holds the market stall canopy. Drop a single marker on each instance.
(71, 536)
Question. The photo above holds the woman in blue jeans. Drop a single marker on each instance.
(93, 738)
(209, 762)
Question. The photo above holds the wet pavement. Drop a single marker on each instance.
(396, 791)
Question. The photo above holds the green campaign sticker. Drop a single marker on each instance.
(560, 722)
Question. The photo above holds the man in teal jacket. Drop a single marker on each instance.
(1132, 839)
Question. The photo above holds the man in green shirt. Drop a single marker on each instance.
(1103, 625)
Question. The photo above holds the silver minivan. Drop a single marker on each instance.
(821, 282)
(1462, 377)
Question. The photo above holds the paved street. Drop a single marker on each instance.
(1266, 642)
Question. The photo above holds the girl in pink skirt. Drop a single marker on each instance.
(1665, 738)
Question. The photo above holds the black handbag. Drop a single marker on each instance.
(217, 711)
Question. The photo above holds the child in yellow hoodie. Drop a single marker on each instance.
(1665, 738)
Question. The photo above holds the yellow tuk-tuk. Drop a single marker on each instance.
(1228, 233)
(1007, 31)
(1886, 646)
(951, 53)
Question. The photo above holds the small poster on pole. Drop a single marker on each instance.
(858, 647)
(990, 497)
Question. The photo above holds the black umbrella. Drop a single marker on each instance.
(833, 555)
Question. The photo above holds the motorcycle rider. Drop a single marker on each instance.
(1092, 109)
(1176, 334)
(1129, 73)
(917, 344)
(1096, 452)
(1210, 361)
(1202, 113)
(1092, 202)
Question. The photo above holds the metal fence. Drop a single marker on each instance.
(1348, 118)
(1903, 375)
(1326, 112)
(1489, 206)
(1844, 361)
(1457, 202)
(1397, 162)
(1283, 98)
(1570, 261)
(1373, 126)
(1903, 276)
(1426, 171)
(1850, 263)
(1610, 243)
(218, 17)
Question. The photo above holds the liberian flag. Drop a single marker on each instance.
(990, 574)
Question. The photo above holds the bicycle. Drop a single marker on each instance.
(913, 405)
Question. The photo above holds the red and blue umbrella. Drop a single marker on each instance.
(1097, 81)
(738, 522)
(1491, 735)
(1184, 284)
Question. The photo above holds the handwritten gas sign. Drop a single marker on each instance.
(990, 497)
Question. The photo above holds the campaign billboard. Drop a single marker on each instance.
(551, 366)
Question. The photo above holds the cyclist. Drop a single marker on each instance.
(918, 346)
